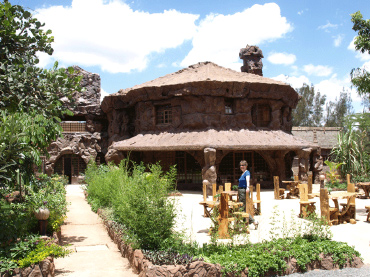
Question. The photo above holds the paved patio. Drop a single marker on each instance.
(197, 226)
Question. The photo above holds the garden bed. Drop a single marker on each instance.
(144, 267)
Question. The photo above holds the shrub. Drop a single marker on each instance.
(139, 198)
(31, 250)
(49, 192)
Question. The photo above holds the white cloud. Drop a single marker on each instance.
(318, 70)
(333, 87)
(327, 27)
(281, 58)
(103, 93)
(295, 82)
(111, 35)
(338, 40)
(220, 37)
(359, 55)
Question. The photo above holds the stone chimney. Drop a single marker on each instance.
(252, 59)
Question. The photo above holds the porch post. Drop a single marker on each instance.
(304, 163)
(209, 169)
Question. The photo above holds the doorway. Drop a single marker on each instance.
(72, 166)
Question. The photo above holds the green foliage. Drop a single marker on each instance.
(360, 77)
(29, 251)
(333, 175)
(17, 220)
(351, 153)
(49, 192)
(139, 198)
(29, 95)
(309, 110)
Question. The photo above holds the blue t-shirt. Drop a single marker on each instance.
(243, 179)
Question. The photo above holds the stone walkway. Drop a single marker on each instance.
(94, 253)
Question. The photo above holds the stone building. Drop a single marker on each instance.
(325, 138)
(205, 119)
(84, 133)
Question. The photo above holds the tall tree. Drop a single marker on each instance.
(360, 77)
(29, 95)
(336, 112)
(310, 109)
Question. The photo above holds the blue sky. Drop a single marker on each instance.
(131, 42)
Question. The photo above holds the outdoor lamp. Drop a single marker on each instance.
(322, 177)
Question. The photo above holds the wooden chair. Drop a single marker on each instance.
(227, 186)
(278, 192)
(209, 205)
(331, 214)
(306, 206)
(257, 208)
(349, 208)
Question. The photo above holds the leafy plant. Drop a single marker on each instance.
(332, 175)
(140, 200)
(31, 250)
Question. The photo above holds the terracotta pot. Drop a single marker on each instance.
(42, 213)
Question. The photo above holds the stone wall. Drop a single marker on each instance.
(85, 145)
(197, 113)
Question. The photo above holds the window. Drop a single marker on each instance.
(73, 126)
(164, 114)
(261, 115)
(229, 106)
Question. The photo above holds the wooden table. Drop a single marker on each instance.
(366, 187)
(348, 211)
(210, 205)
(292, 187)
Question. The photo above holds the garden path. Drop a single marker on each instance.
(94, 253)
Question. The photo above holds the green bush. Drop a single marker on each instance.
(49, 192)
(139, 198)
(31, 250)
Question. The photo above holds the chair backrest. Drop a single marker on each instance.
(324, 204)
(296, 178)
(351, 188)
(220, 189)
(227, 186)
(303, 192)
(251, 189)
(348, 179)
(276, 187)
(258, 191)
(309, 183)
(249, 208)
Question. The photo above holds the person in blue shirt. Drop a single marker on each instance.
(243, 188)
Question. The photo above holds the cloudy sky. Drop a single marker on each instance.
(131, 42)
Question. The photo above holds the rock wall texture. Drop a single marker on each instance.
(252, 59)
(87, 101)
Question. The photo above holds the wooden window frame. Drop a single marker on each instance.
(163, 115)
(229, 106)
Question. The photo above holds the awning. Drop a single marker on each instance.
(221, 140)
